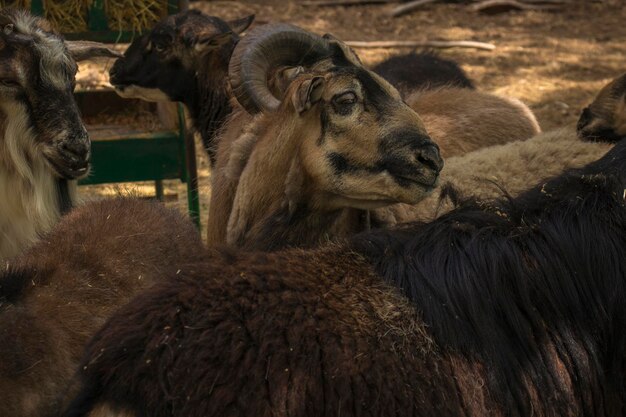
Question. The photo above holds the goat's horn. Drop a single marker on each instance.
(83, 50)
(263, 49)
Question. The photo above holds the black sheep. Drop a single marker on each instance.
(420, 71)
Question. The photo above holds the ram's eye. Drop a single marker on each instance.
(7, 82)
(345, 99)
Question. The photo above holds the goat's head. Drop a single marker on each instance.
(161, 65)
(605, 119)
(359, 144)
(37, 79)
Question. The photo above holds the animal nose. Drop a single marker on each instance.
(113, 75)
(76, 150)
(428, 155)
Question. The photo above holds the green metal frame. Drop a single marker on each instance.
(148, 157)
(140, 156)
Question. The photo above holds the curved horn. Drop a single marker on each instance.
(263, 49)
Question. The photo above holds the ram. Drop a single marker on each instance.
(339, 138)
(514, 308)
(44, 146)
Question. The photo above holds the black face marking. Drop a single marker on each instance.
(601, 134)
(405, 139)
(597, 134)
(323, 126)
(401, 170)
(340, 164)
(327, 127)
(374, 94)
(585, 118)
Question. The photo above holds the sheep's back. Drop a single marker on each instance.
(68, 284)
(509, 168)
(461, 120)
(290, 334)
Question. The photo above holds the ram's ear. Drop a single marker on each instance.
(209, 42)
(239, 25)
(341, 49)
(83, 50)
(307, 94)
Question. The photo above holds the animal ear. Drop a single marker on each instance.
(239, 25)
(83, 50)
(209, 42)
(340, 48)
(283, 78)
(307, 94)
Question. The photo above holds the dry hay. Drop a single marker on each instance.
(70, 16)
(67, 15)
(18, 4)
(134, 15)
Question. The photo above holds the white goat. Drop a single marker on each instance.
(44, 146)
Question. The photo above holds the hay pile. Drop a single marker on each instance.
(70, 16)
(18, 4)
(134, 15)
(67, 15)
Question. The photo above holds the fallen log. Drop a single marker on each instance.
(421, 44)
(408, 7)
(497, 6)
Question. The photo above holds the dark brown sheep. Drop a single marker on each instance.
(511, 309)
(55, 296)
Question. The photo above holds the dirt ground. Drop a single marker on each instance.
(553, 61)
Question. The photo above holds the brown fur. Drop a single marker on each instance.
(345, 327)
(96, 259)
(351, 342)
(500, 310)
(461, 120)
(511, 167)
